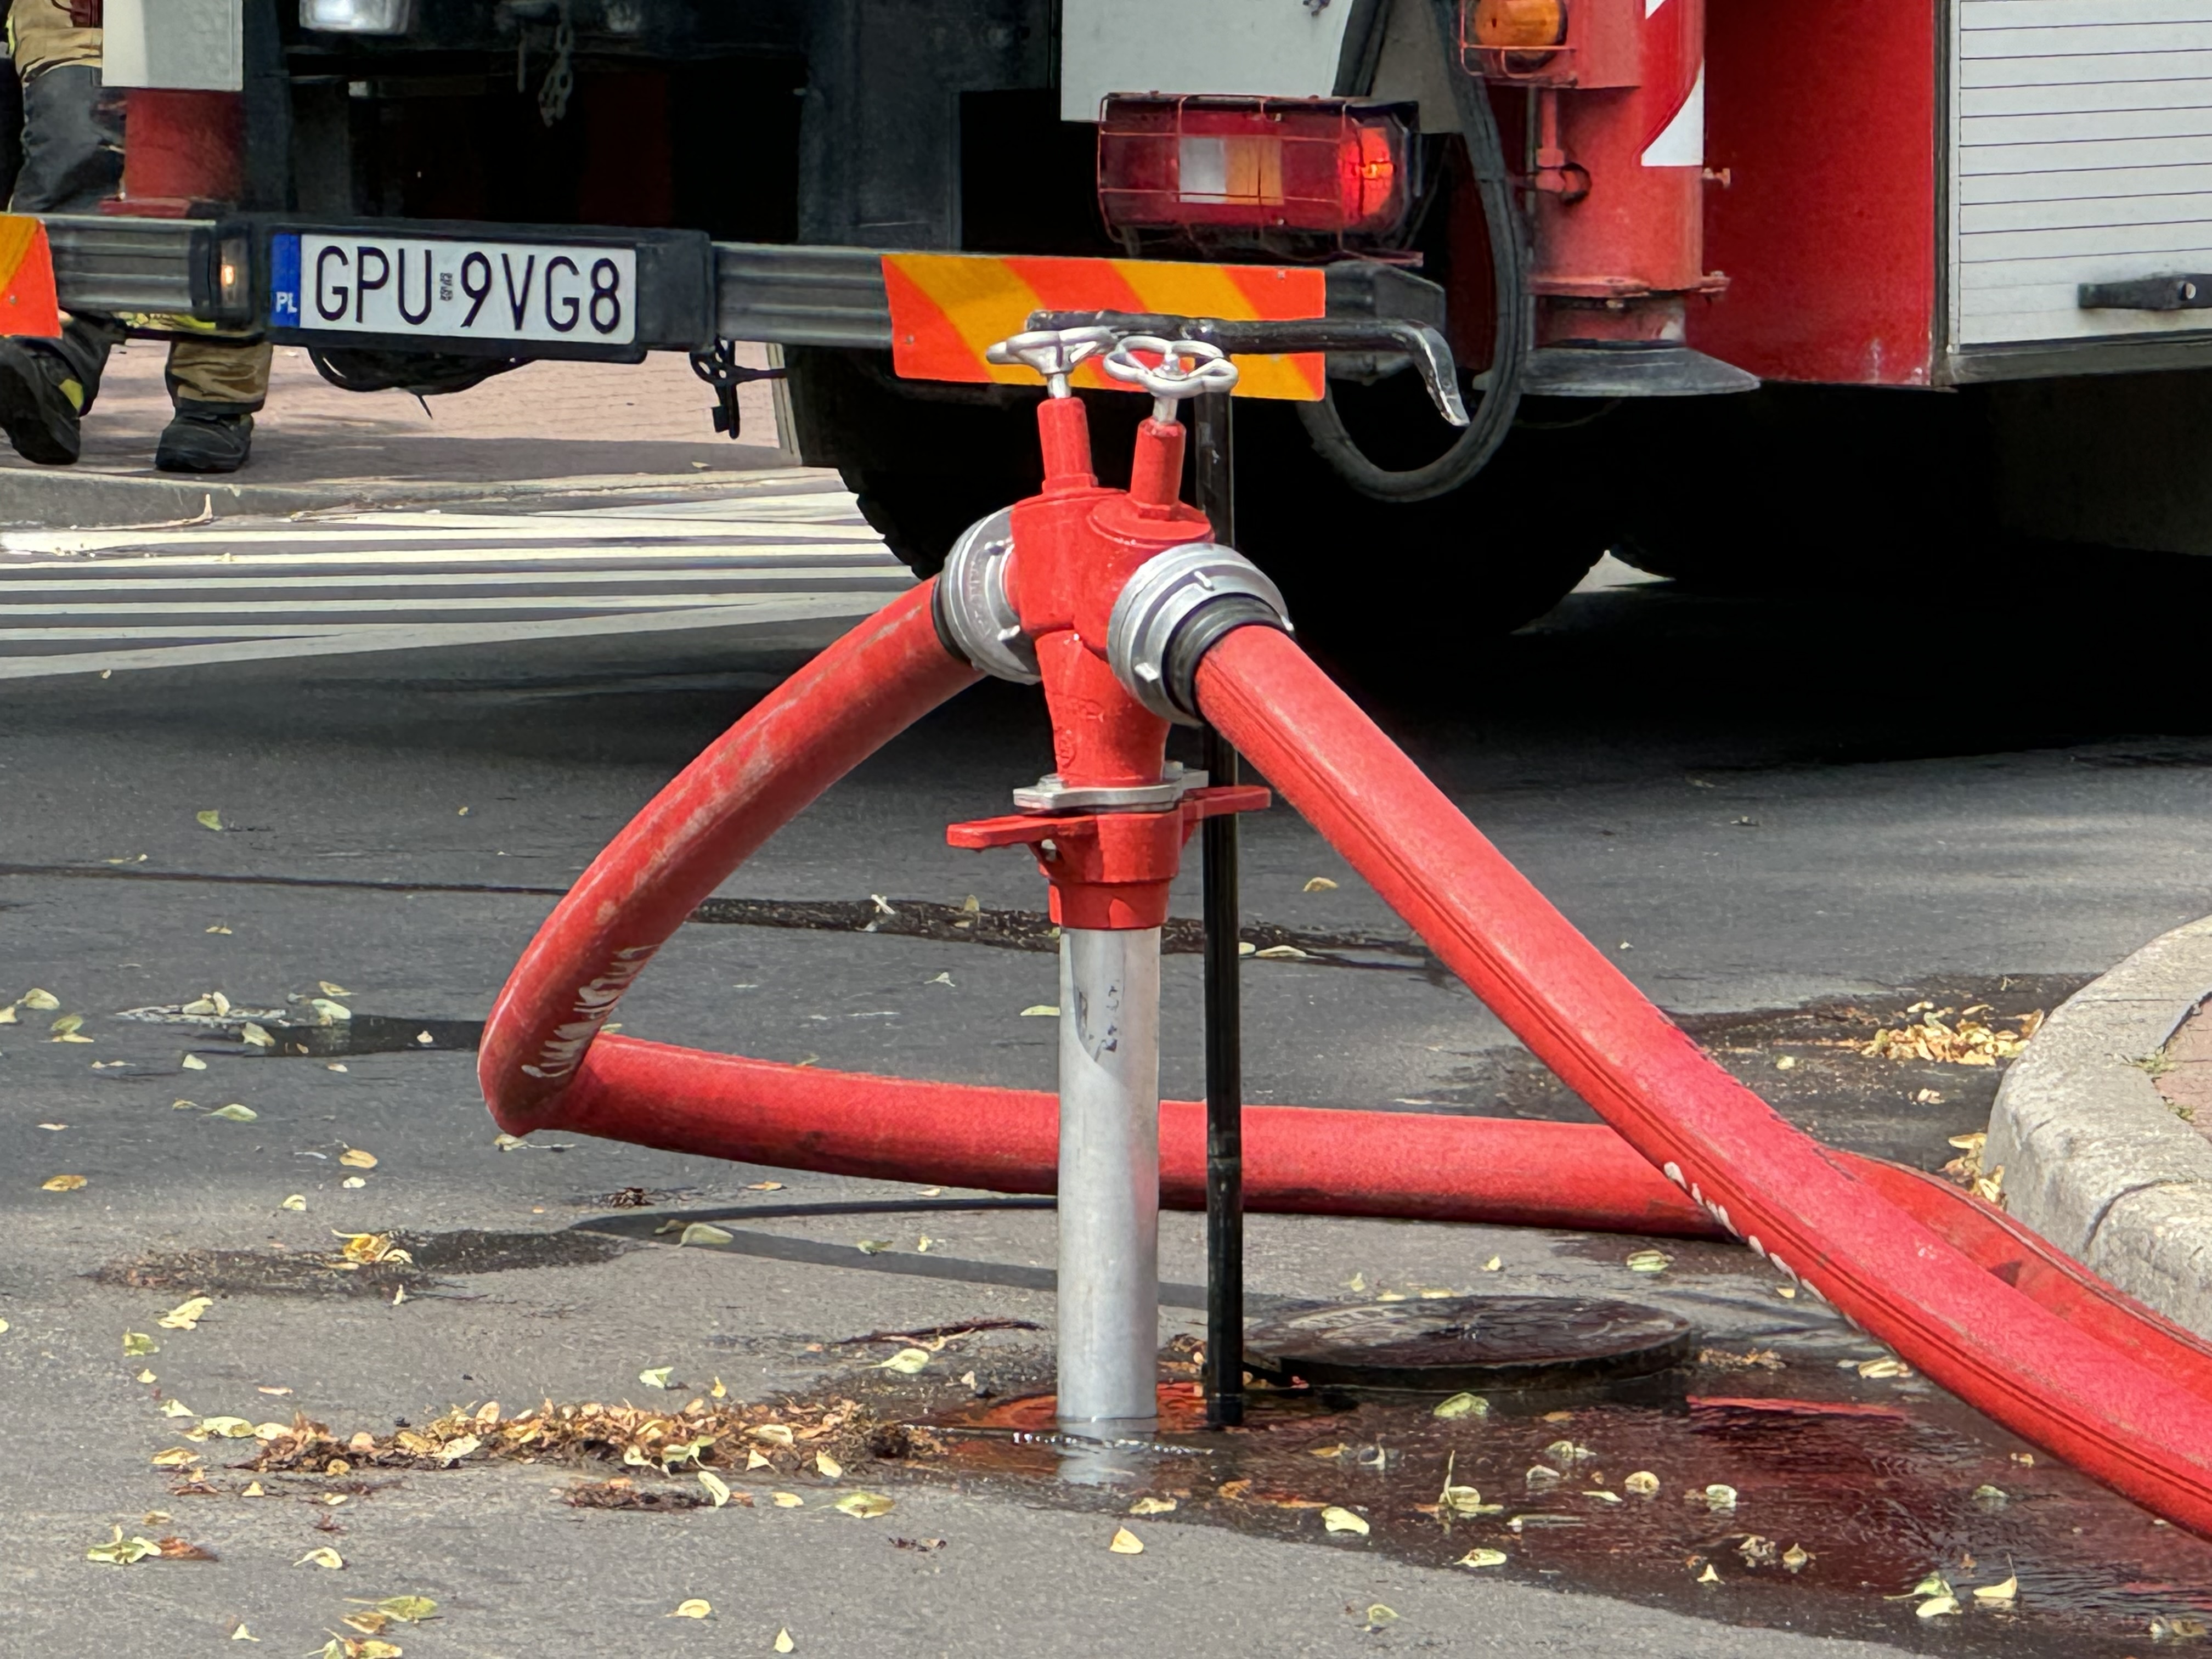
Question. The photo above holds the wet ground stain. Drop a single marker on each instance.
(314, 1273)
(1902, 1110)
(1879, 1485)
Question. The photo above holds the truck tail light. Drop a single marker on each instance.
(1310, 164)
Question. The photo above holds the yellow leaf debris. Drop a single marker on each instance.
(1338, 1519)
(62, 1184)
(325, 1557)
(696, 1608)
(1125, 1542)
(1320, 884)
(1152, 1506)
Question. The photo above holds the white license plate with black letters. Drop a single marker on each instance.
(442, 289)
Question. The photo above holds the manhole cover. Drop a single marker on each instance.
(1473, 1342)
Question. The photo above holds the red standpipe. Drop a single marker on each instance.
(1792, 1200)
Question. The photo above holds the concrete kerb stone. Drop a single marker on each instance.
(2094, 1157)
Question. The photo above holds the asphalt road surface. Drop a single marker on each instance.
(1791, 818)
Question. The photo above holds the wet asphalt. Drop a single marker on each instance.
(1789, 816)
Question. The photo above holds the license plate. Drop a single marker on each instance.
(448, 289)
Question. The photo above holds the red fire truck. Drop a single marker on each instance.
(1737, 289)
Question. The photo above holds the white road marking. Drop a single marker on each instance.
(93, 601)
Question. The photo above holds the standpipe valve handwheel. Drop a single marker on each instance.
(1169, 381)
(1054, 353)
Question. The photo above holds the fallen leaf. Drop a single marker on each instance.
(783, 1644)
(864, 1506)
(1281, 953)
(828, 1466)
(176, 1408)
(874, 1246)
(1125, 1542)
(8, 1015)
(66, 1024)
(1991, 1498)
(788, 1500)
(2004, 1592)
(297, 1201)
(121, 1552)
(353, 1180)
(242, 1634)
(370, 1623)
(209, 819)
(764, 1186)
(3, 1327)
(1466, 1500)
(1936, 1606)
(755, 1460)
(42, 1001)
(1463, 1405)
(1481, 1558)
(1152, 1506)
(694, 1608)
(252, 1490)
(718, 1390)
(1643, 1483)
(1542, 1474)
(1796, 1556)
(1493, 1265)
(62, 1183)
(223, 1428)
(354, 1158)
(776, 1434)
(906, 1362)
(1709, 1576)
(176, 1457)
(1720, 1497)
(454, 1450)
(717, 1488)
(657, 1378)
(235, 1113)
(701, 1232)
(1649, 1261)
(1320, 884)
(194, 1063)
(328, 1012)
(255, 1036)
(1041, 1011)
(1343, 1520)
(1883, 1368)
(325, 1557)
(147, 1377)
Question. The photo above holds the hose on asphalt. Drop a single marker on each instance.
(1492, 418)
(1981, 1306)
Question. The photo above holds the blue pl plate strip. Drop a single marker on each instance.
(284, 281)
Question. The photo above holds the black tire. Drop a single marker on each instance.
(927, 462)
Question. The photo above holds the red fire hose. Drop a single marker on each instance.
(1789, 1198)
(1981, 1306)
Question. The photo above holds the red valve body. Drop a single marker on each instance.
(1076, 547)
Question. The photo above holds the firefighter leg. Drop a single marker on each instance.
(217, 386)
(72, 162)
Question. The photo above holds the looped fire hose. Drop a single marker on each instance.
(1980, 1305)
(1509, 270)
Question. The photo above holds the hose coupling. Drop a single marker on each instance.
(974, 614)
(1172, 610)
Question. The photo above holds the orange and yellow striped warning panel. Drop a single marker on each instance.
(947, 308)
(27, 302)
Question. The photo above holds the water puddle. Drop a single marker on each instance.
(1808, 1499)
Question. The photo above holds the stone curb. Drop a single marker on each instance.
(2094, 1157)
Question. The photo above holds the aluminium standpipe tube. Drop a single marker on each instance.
(1110, 1180)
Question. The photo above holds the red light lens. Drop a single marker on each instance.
(1316, 164)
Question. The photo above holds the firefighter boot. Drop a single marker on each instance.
(204, 439)
(217, 386)
(47, 386)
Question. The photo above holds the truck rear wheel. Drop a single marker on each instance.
(925, 462)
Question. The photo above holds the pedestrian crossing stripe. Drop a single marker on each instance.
(76, 602)
(947, 308)
(29, 305)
